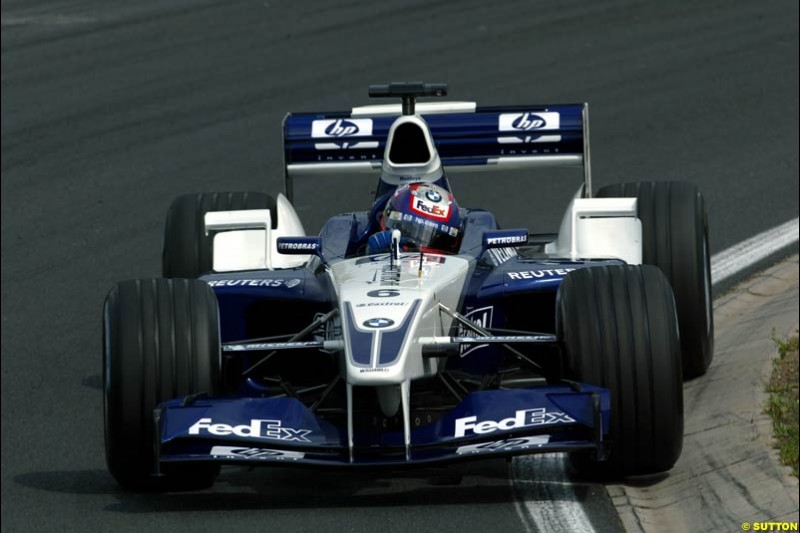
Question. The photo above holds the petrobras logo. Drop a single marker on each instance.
(298, 245)
(237, 452)
(530, 123)
(503, 238)
(340, 129)
(260, 429)
(521, 419)
(513, 239)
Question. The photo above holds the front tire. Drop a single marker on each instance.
(619, 331)
(160, 341)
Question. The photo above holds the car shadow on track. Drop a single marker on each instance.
(81, 482)
(292, 488)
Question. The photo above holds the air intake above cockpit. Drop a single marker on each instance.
(410, 155)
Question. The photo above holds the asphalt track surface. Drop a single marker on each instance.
(110, 109)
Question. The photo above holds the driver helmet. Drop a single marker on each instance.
(426, 215)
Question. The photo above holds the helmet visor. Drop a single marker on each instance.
(423, 232)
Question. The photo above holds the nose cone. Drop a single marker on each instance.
(386, 306)
(378, 334)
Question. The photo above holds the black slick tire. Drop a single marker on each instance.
(160, 342)
(619, 331)
(675, 239)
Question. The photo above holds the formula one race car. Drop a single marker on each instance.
(418, 333)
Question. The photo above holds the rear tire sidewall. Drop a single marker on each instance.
(188, 250)
(675, 239)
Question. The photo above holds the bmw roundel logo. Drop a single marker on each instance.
(433, 196)
(378, 322)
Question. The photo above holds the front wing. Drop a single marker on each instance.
(503, 422)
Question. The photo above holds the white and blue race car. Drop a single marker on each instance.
(363, 347)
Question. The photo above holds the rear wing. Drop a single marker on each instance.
(466, 137)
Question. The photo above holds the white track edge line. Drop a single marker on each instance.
(724, 265)
(747, 253)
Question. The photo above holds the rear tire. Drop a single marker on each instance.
(675, 239)
(160, 341)
(188, 251)
(619, 331)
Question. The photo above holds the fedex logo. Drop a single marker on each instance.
(263, 429)
(524, 418)
(422, 206)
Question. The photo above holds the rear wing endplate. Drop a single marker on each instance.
(467, 138)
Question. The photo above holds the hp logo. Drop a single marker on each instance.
(341, 128)
(528, 121)
(378, 323)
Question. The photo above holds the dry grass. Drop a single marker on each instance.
(782, 405)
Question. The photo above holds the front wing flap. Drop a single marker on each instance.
(486, 423)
